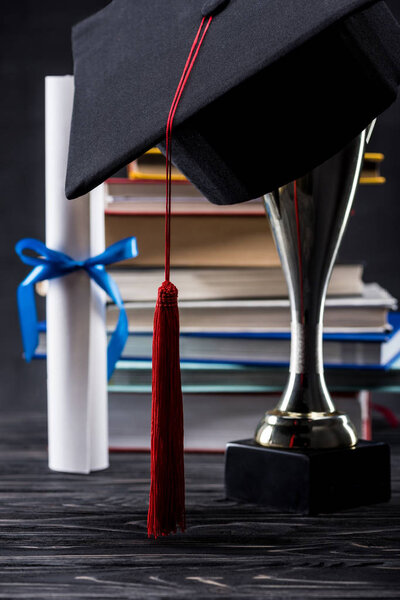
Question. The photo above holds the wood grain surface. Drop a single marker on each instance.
(69, 536)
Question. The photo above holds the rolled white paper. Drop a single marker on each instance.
(75, 308)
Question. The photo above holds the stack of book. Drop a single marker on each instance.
(233, 300)
(234, 312)
(232, 293)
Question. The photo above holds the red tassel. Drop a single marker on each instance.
(167, 489)
(167, 492)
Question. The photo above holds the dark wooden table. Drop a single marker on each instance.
(67, 536)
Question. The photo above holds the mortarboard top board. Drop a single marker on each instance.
(283, 83)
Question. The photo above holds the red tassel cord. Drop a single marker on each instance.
(167, 490)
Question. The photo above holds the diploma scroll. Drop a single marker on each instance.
(75, 309)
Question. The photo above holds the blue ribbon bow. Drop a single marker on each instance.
(52, 263)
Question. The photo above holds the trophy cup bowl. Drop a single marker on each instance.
(306, 456)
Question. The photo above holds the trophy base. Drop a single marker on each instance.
(308, 481)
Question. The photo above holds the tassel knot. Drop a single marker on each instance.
(167, 294)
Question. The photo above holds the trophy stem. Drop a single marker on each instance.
(308, 218)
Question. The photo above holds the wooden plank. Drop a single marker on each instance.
(70, 536)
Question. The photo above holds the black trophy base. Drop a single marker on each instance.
(308, 481)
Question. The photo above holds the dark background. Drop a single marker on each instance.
(35, 42)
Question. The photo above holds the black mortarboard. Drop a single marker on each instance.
(283, 83)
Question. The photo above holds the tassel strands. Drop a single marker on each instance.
(167, 489)
(167, 505)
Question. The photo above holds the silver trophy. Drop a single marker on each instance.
(305, 457)
(308, 218)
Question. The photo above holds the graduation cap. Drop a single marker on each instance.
(238, 85)
(283, 83)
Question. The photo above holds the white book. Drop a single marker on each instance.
(227, 283)
(210, 420)
(367, 312)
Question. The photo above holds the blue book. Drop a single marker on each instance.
(270, 349)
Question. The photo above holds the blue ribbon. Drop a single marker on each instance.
(52, 263)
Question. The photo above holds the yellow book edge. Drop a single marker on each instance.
(154, 176)
(372, 180)
(365, 180)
